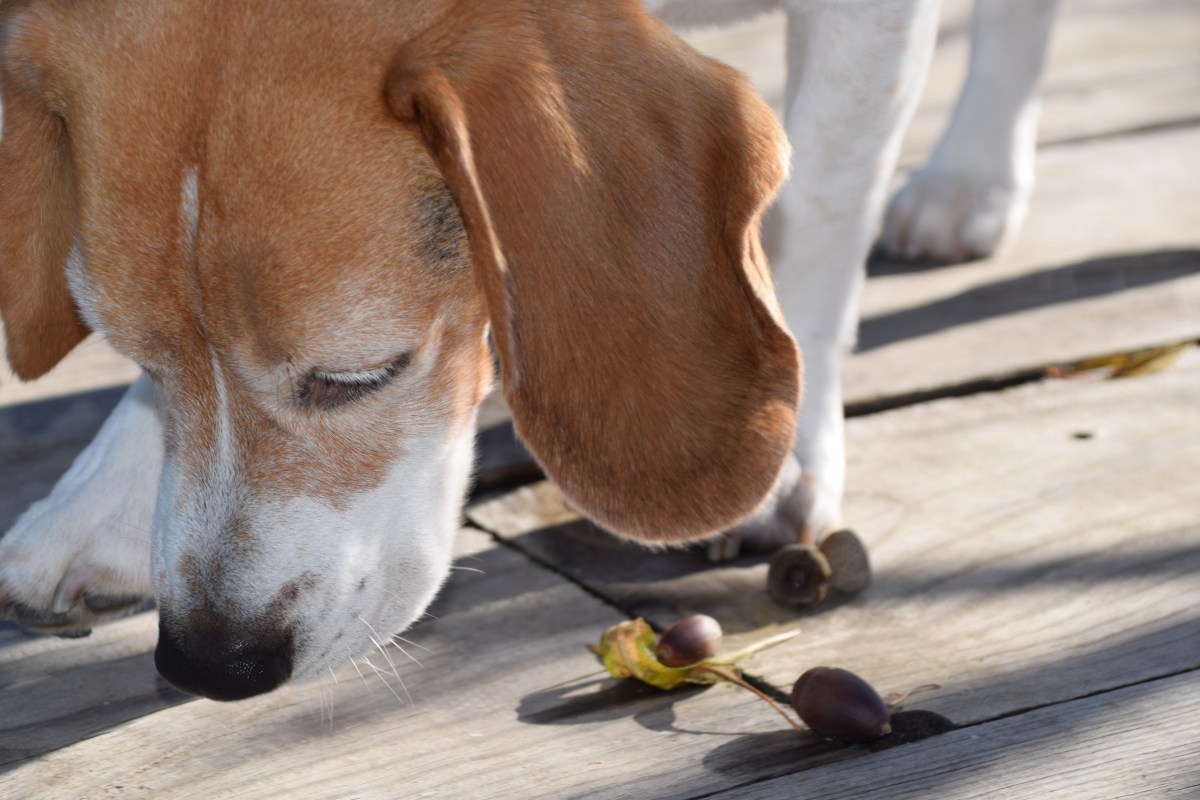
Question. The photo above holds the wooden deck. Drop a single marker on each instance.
(1036, 540)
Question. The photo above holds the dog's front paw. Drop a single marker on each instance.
(952, 216)
(802, 508)
(66, 576)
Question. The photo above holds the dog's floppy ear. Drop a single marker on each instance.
(611, 181)
(37, 227)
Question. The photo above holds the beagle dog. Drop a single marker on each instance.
(303, 219)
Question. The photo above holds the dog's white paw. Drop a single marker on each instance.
(63, 574)
(952, 216)
(801, 508)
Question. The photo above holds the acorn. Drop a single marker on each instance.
(689, 641)
(799, 577)
(839, 705)
(847, 557)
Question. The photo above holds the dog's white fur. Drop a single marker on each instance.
(855, 70)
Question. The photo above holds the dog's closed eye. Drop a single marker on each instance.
(326, 390)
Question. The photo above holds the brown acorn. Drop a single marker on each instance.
(839, 705)
(689, 641)
(799, 577)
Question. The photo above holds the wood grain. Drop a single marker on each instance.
(1143, 741)
(1115, 67)
(505, 702)
(996, 576)
(1036, 549)
(1109, 260)
(1016, 564)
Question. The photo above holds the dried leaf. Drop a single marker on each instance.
(627, 651)
(1130, 364)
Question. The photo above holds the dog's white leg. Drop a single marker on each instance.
(855, 71)
(83, 553)
(974, 191)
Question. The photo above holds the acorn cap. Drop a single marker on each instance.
(847, 556)
(799, 577)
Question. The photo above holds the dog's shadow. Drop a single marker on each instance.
(1029, 291)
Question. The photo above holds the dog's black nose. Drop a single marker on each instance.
(232, 665)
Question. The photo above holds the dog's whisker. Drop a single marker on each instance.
(399, 638)
(354, 661)
(325, 698)
(380, 647)
(467, 569)
(378, 644)
(407, 654)
(405, 688)
(383, 677)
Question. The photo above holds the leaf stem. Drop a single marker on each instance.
(727, 674)
(763, 644)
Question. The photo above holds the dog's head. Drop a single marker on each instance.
(301, 219)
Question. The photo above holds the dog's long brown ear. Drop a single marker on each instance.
(37, 226)
(611, 181)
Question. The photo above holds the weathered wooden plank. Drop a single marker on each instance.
(1030, 546)
(55, 692)
(1018, 565)
(1011, 569)
(1143, 741)
(1012, 608)
(1109, 260)
(1115, 66)
(506, 703)
(1105, 217)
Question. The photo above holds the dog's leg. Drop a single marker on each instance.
(974, 190)
(83, 553)
(855, 71)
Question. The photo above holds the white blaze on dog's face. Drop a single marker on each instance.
(319, 438)
(300, 290)
(319, 389)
